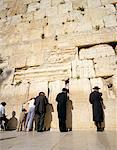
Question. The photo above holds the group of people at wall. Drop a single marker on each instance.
(40, 110)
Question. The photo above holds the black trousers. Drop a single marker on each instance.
(62, 125)
(40, 122)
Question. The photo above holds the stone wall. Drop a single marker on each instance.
(45, 42)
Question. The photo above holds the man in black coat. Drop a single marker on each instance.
(61, 108)
(97, 107)
(40, 110)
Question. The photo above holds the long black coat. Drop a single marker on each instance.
(40, 104)
(96, 101)
(61, 106)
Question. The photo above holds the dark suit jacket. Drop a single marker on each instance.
(40, 104)
(61, 106)
(96, 101)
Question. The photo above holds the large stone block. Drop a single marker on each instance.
(55, 87)
(77, 4)
(79, 92)
(64, 8)
(110, 21)
(52, 11)
(81, 115)
(96, 15)
(32, 34)
(96, 52)
(37, 86)
(108, 2)
(45, 4)
(110, 9)
(40, 14)
(49, 31)
(94, 3)
(97, 37)
(18, 61)
(85, 69)
(114, 82)
(105, 66)
(33, 6)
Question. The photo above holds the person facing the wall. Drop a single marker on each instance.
(96, 100)
(61, 109)
(40, 110)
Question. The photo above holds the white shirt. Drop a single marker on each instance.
(2, 110)
(31, 103)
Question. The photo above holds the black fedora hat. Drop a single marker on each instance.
(96, 87)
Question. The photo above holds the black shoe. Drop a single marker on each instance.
(99, 130)
(40, 130)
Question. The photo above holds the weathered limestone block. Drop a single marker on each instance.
(33, 6)
(77, 4)
(110, 21)
(57, 2)
(79, 92)
(85, 69)
(81, 115)
(69, 27)
(108, 2)
(3, 13)
(55, 87)
(45, 4)
(37, 86)
(110, 9)
(32, 34)
(39, 14)
(110, 112)
(59, 19)
(100, 82)
(105, 66)
(65, 42)
(75, 16)
(24, 48)
(96, 52)
(50, 31)
(18, 61)
(64, 8)
(97, 37)
(94, 3)
(27, 17)
(36, 57)
(83, 27)
(7, 75)
(96, 15)
(52, 11)
(49, 72)
(114, 82)
(27, 1)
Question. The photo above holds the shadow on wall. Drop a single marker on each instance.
(4, 74)
(12, 122)
(69, 115)
(48, 117)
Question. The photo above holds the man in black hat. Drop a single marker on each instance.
(96, 100)
(61, 108)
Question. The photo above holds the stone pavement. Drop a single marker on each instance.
(54, 140)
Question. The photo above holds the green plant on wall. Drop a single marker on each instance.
(116, 62)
